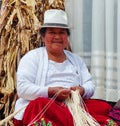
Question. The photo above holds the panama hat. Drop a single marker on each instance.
(55, 18)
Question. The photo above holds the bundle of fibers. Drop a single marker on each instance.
(79, 111)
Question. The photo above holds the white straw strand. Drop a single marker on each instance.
(41, 113)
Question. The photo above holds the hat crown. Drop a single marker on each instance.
(55, 18)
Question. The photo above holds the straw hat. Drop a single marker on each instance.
(55, 18)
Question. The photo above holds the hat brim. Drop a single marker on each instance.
(55, 25)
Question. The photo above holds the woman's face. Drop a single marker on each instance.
(55, 39)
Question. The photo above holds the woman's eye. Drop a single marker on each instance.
(62, 32)
(52, 33)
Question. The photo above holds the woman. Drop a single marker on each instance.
(50, 71)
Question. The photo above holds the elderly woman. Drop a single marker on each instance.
(48, 74)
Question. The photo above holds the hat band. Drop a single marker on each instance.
(54, 24)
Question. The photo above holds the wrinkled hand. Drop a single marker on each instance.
(62, 93)
(81, 89)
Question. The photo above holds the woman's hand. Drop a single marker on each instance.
(81, 89)
(62, 93)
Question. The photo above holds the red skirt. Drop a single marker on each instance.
(59, 115)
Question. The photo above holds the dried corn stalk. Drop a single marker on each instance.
(20, 21)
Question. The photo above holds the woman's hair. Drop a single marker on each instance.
(43, 30)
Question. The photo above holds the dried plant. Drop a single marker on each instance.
(20, 21)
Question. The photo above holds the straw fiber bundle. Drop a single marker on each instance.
(79, 112)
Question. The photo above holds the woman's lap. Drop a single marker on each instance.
(58, 113)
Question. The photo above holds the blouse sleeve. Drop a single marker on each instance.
(26, 75)
(87, 82)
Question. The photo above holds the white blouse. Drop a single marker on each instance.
(62, 74)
